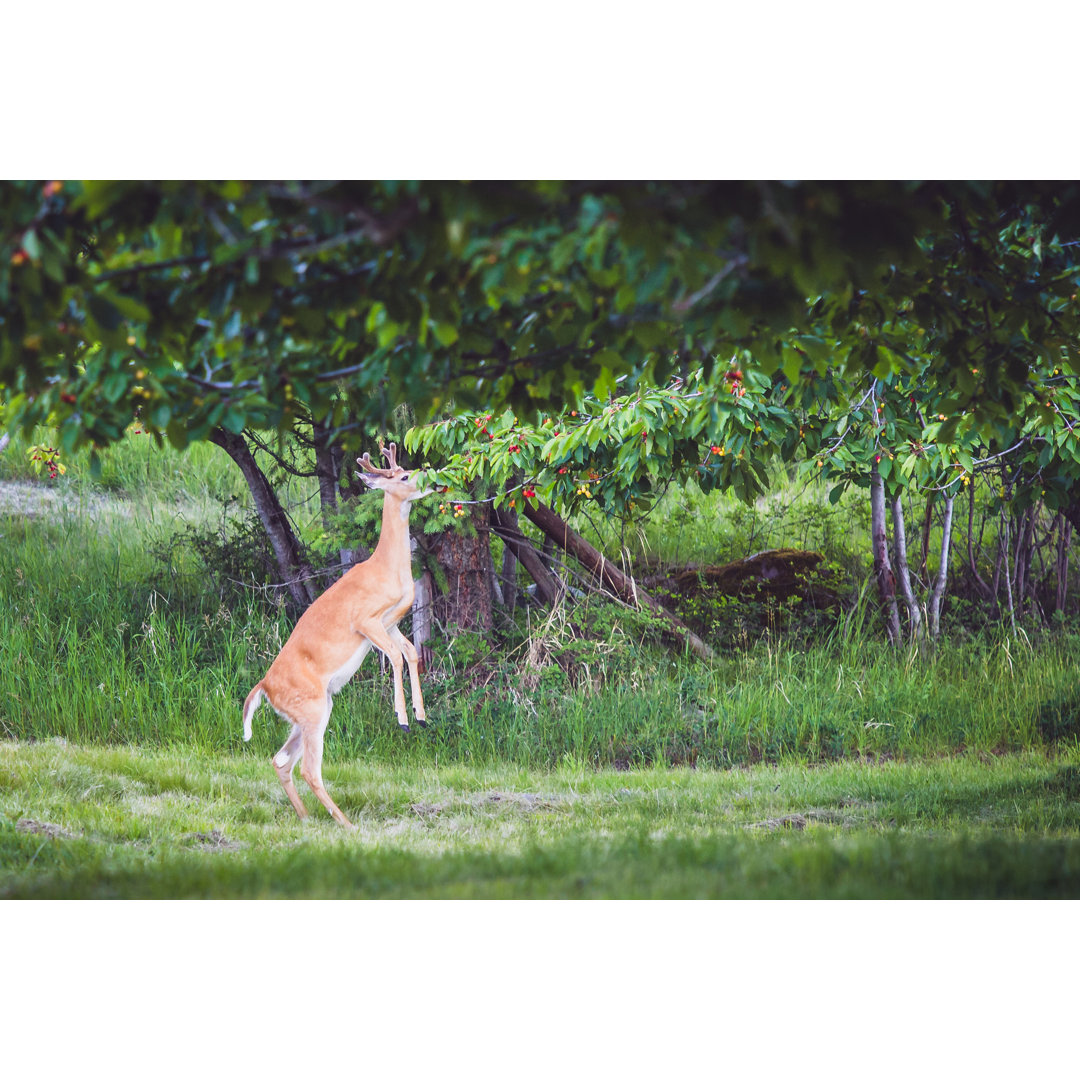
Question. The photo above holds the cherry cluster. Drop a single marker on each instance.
(49, 456)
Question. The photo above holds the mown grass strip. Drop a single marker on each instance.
(128, 822)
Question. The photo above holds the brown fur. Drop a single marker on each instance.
(330, 639)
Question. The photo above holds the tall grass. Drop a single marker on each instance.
(689, 526)
(135, 468)
(98, 645)
(91, 649)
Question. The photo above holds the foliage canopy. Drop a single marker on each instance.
(239, 304)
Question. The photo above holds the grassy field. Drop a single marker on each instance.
(127, 822)
(553, 767)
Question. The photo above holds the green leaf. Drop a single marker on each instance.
(650, 335)
(605, 385)
(582, 297)
(103, 312)
(388, 333)
(233, 420)
(793, 363)
(131, 309)
(562, 254)
(376, 314)
(445, 333)
(177, 433)
(883, 366)
(115, 386)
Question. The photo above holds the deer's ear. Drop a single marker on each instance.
(371, 480)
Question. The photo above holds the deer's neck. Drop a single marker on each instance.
(393, 546)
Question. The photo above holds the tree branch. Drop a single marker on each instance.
(379, 231)
(292, 470)
(551, 589)
(736, 263)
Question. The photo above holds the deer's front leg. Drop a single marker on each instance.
(413, 660)
(378, 635)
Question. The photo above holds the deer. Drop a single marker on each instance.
(359, 611)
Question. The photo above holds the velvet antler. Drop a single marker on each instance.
(390, 453)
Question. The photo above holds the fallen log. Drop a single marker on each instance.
(609, 575)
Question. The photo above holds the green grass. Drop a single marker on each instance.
(136, 470)
(689, 526)
(132, 822)
(96, 649)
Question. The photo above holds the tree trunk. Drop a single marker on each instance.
(999, 559)
(622, 585)
(548, 586)
(508, 579)
(985, 590)
(295, 572)
(927, 526)
(423, 598)
(328, 462)
(325, 471)
(882, 568)
(1071, 511)
(902, 571)
(501, 519)
(1064, 541)
(1025, 549)
(1005, 561)
(466, 562)
(938, 593)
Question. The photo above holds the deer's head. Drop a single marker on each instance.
(395, 481)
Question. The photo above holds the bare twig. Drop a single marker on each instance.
(736, 263)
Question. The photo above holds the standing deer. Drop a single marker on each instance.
(336, 632)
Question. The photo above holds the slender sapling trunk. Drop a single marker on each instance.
(902, 572)
(886, 582)
(938, 592)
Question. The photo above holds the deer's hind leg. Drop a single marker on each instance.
(311, 769)
(285, 761)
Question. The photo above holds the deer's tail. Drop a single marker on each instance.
(251, 703)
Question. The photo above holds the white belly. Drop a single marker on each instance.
(347, 670)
